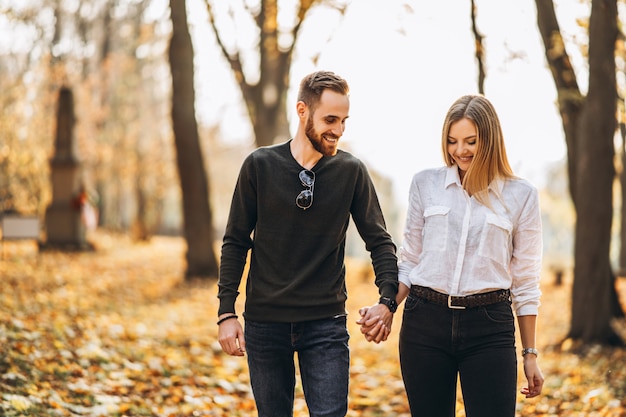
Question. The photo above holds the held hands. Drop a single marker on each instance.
(375, 322)
(230, 336)
(533, 376)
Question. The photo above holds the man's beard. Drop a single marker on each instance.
(317, 141)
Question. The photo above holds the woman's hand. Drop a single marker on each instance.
(533, 376)
(375, 322)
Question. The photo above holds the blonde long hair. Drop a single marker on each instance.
(490, 161)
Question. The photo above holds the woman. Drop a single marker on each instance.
(471, 256)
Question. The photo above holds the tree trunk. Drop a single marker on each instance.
(589, 124)
(197, 215)
(479, 51)
(265, 99)
(622, 181)
(621, 272)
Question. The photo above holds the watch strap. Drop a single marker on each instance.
(389, 302)
(526, 351)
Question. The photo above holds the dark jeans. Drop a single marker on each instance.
(324, 358)
(437, 344)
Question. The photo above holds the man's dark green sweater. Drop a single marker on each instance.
(297, 270)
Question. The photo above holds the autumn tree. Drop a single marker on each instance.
(621, 55)
(125, 108)
(110, 54)
(197, 216)
(479, 48)
(589, 124)
(621, 270)
(27, 112)
(264, 88)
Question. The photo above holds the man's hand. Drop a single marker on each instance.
(230, 336)
(375, 322)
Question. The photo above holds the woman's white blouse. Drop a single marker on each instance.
(455, 245)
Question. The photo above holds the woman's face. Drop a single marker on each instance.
(462, 139)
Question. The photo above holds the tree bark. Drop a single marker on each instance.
(479, 50)
(197, 215)
(589, 124)
(265, 98)
(622, 181)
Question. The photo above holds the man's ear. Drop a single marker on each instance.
(301, 109)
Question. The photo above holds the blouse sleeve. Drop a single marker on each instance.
(525, 267)
(411, 247)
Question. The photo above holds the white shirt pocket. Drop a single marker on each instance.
(495, 239)
(435, 232)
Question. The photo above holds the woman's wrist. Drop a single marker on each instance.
(530, 351)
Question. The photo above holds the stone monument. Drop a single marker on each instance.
(65, 228)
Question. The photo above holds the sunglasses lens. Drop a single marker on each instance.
(307, 177)
(304, 199)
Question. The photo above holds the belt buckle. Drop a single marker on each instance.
(450, 305)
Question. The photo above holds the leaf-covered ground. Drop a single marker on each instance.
(116, 332)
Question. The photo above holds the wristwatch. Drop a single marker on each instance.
(526, 351)
(389, 302)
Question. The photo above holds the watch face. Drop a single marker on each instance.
(389, 302)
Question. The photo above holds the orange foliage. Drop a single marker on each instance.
(116, 332)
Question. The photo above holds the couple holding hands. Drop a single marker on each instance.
(467, 268)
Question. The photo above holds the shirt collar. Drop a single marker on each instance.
(452, 177)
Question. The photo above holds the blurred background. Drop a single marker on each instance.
(130, 118)
(406, 62)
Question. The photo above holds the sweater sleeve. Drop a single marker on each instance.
(237, 237)
(370, 222)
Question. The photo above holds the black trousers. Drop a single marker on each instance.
(477, 345)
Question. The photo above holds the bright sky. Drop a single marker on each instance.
(405, 68)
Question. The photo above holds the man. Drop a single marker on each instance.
(291, 207)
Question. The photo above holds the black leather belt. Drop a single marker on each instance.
(468, 301)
